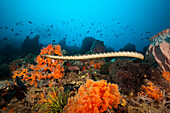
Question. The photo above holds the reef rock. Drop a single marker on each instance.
(129, 47)
(86, 44)
(98, 46)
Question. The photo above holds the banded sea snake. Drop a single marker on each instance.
(98, 55)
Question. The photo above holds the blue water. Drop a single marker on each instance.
(116, 22)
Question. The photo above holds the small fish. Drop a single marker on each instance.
(118, 23)
(12, 30)
(141, 38)
(1, 27)
(31, 33)
(73, 40)
(16, 34)
(123, 102)
(30, 22)
(88, 31)
(53, 40)
(147, 37)
(72, 20)
(6, 27)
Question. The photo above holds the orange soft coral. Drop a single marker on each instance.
(152, 91)
(45, 68)
(94, 97)
(166, 75)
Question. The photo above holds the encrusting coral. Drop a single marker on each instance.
(94, 97)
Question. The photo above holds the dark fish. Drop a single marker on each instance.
(88, 31)
(5, 38)
(118, 23)
(141, 38)
(97, 31)
(66, 35)
(51, 26)
(101, 34)
(92, 23)
(72, 20)
(12, 30)
(20, 30)
(1, 27)
(6, 27)
(30, 22)
(147, 37)
(69, 42)
(141, 34)
(53, 40)
(147, 32)
(116, 35)
(16, 23)
(80, 34)
(82, 25)
(73, 40)
(31, 32)
(49, 34)
(16, 34)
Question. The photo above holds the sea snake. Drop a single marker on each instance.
(98, 55)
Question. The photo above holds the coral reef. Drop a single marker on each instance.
(68, 85)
